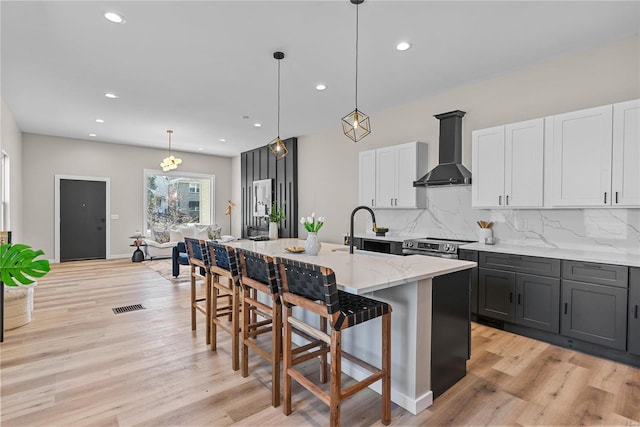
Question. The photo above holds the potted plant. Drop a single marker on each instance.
(276, 214)
(18, 270)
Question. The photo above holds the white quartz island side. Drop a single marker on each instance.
(405, 282)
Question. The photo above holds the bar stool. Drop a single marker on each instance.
(199, 262)
(313, 288)
(224, 265)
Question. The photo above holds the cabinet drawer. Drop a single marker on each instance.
(468, 255)
(603, 274)
(520, 264)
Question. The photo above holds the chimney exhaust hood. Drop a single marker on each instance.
(450, 170)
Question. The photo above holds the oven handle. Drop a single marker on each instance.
(425, 253)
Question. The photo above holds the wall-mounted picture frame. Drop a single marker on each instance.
(261, 197)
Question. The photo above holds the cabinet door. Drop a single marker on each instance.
(626, 154)
(582, 157)
(487, 185)
(524, 159)
(634, 311)
(367, 178)
(468, 255)
(595, 313)
(496, 291)
(405, 175)
(385, 177)
(538, 302)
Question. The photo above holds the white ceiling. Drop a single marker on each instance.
(197, 67)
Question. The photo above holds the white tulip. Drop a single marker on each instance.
(321, 219)
(303, 220)
(309, 219)
(313, 214)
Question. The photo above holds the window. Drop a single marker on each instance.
(4, 191)
(178, 199)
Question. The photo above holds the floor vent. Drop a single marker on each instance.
(127, 308)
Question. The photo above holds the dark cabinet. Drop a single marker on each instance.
(634, 311)
(516, 295)
(594, 303)
(467, 255)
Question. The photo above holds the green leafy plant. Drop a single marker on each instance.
(276, 214)
(19, 266)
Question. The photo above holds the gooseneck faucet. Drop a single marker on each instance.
(353, 213)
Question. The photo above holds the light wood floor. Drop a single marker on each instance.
(78, 364)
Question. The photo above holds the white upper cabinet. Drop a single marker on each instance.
(386, 176)
(582, 147)
(626, 154)
(508, 166)
(367, 178)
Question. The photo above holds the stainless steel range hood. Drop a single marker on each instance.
(450, 170)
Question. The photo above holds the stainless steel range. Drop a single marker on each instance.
(443, 248)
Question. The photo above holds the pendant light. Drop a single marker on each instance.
(170, 162)
(356, 124)
(277, 146)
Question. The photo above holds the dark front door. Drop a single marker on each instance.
(82, 220)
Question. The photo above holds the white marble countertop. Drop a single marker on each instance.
(363, 271)
(627, 259)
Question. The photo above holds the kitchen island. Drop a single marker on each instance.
(407, 284)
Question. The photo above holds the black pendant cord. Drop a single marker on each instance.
(278, 98)
(356, 56)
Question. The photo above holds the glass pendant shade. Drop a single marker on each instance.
(278, 148)
(170, 162)
(356, 125)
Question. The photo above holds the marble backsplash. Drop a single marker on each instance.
(449, 215)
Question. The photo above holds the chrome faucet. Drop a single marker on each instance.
(353, 213)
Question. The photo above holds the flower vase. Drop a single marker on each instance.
(273, 230)
(312, 245)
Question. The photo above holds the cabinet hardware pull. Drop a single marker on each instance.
(616, 197)
(592, 265)
(636, 314)
(391, 202)
(510, 296)
(499, 200)
(519, 301)
(507, 199)
(605, 197)
(565, 307)
(371, 202)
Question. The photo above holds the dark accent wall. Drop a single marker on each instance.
(261, 164)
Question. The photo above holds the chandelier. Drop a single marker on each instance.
(277, 146)
(170, 163)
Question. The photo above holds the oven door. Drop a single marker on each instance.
(429, 253)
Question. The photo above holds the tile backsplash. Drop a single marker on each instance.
(449, 215)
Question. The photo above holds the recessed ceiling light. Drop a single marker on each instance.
(114, 17)
(402, 46)
(258, 125)
(222, 140)
(111, 95)
(92, 134)
(321, 86)
(200, 149)
(99, 121)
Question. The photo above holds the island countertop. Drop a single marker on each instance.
(361, 272)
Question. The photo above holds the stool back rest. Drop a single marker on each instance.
(310, 281)
(258, 267)
(224, 257)
(198, 252)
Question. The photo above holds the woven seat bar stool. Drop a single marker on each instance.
(313, 288)
(225, 299)
(199, 264)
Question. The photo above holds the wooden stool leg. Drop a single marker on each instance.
(235, 328)
(245, 332)
(276, 348)
(323, 357)
(386, 367)
(335, 385)
(193, 302)
(207, 308)
(214, 316)
(286, 363)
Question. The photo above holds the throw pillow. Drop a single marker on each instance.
(214, 232)
(161, 236)
(175, 235)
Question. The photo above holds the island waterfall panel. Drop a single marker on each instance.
(259, 164)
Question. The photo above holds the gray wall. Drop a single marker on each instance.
(46, 156)
(328, 161)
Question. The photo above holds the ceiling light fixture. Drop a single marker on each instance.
(170, 163)
(111, 95)
(277, 146)
(257, 125)
(114, 17)
(222, 140)
(99, 121)
(356, 124)
(92, 134)
(402, 46)
(321, 86)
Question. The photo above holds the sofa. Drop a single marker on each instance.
(161, 241)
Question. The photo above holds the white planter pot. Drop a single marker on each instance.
(273, 230)
(18, 305)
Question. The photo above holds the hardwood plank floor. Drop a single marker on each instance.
(79, 364)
